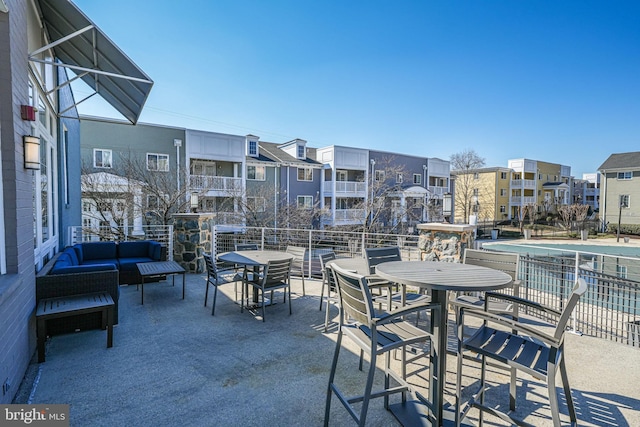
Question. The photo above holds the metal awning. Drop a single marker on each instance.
(78, 44)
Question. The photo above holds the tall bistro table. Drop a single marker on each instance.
(254, 260)
(439, 278)
(159, 269)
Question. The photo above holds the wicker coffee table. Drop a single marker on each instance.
(155, 269)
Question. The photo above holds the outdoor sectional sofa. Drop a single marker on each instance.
(93, 267)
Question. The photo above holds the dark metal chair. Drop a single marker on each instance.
(517, 346)
(375, 332)
(328, 283)
(297, 265)
(217, 277)
(276, 275)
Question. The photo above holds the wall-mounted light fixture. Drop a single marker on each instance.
(31, 152)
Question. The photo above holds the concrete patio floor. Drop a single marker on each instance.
(173, 363)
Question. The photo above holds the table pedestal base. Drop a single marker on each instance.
(414, 413)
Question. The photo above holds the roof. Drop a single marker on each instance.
(269, 152)
(78, 44)
(622, 161)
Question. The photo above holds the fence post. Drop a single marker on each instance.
(262, 239)
(309, 276)
(363, 244)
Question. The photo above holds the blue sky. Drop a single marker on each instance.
(556, 81)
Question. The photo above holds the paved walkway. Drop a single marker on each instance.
(173, 363)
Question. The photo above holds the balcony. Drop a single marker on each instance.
(349, 216)
(439, 191)
(521, 200)
(523, 183)
(345, 188)
(222, 184)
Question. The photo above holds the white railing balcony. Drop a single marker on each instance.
(345, 188)
(438, 191)
(349, 216)
(521, 201)
(523, 183)
(214, 183)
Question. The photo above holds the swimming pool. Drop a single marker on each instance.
(559, 248)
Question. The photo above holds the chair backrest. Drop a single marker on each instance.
(324, 259)
(377, 256)
(578, 290)
(297, 252)
(355, 297)
(246, 246)
(212, 271)
(276, 272)
(507, 262)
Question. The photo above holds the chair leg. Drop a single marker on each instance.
(206, 293)
(326, 314)
(483, 385)
(242, 296)
(567, 391)
(302, 276)
(367, 390)
(332, 374)
(215, 294)
(321, 295)
(263, 310)
(512, 390)
(553, 395)
(289, 290)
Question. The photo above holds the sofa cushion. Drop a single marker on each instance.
(133, 249)
(73, 257)
(129, 264)
(78, 250)
(72, 269)
(98, 250)
(113, 262)
(155, 251)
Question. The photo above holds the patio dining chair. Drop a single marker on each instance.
(376, 332)
(328, 283)
(216, 277)
(517, 346)
(297, 264)
(275, 275)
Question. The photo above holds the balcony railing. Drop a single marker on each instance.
(349, 215)
(214, 183)
(528, 183)
(159, 233)
(609, 310)
(521, 201)
(345, 188)
(439, 191)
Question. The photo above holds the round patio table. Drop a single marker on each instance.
(439, 278)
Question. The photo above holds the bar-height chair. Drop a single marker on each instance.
(375, 332)
(328, 283)
(391, 298)
(297, 265)
(245, 247)
(276, 275)
(216, 277)
(517, 346)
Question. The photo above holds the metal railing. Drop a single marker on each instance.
(159, 233)
(214, 183)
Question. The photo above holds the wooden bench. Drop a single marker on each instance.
(53, 308)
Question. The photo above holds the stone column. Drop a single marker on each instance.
(443, 241)
(192, 238)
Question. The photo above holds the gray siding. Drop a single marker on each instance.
(17, 288)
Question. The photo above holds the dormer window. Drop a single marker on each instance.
(302, 151)
(252, 146)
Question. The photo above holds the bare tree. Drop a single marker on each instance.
(566, 216)
(464, 165)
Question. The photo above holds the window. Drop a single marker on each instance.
(475, 192)
(158, 162)
(476, 175)
(305, 202)
(621, 270)
(625, 175)
(86, 206)
(417, 178)
(503, 209)
(252, 149)
(256, 173)
(379, 176)
(476, 208)
(153, 202)
(305, 174)
(503, 192)
(624, 201)
(256, 204)
(398, 178)
(101, 158)
(503, 175)
(301, 152)
(103, 205)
